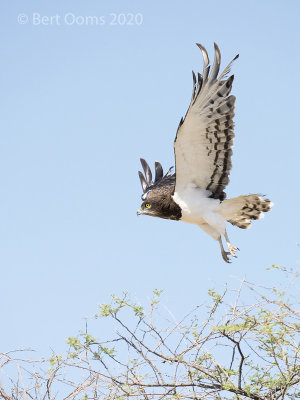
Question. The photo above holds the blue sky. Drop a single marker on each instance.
(80, 103)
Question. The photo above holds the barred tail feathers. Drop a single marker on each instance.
(242, 210)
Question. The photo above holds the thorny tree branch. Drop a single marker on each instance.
(220, 352)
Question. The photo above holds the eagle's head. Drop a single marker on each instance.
(153, 207)
(158, 195)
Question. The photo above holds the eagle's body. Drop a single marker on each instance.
(196, 206)
(203, 149)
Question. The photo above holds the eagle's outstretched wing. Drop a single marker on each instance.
(205, 135)
(160, 180)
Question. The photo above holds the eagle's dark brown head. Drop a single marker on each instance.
(157, 197)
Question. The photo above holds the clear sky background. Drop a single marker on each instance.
(80, 103)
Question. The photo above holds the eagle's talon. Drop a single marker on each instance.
(225, 255)
(232, 249)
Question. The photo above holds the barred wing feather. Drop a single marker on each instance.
(204, 139)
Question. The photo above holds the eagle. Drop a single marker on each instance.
(203, 149)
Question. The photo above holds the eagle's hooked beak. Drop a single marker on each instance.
(139, 211)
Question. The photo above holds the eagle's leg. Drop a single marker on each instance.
(231, 248)
(225, 254)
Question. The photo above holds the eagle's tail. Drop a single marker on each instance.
(242, 210)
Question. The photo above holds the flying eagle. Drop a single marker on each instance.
(203, 149)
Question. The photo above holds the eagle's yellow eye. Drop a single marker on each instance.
(147, 205)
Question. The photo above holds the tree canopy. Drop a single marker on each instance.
(242, 343)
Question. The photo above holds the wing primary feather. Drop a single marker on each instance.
(206, 73)
(216, 67)
(143, 181)
(206, 61)
(194, 85)
(205, 55)
(200, 80)
(198, 87)
(159, 173)
(169, 171)
(147, 170)
(227, 69)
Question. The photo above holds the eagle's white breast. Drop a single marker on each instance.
(196, 207)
